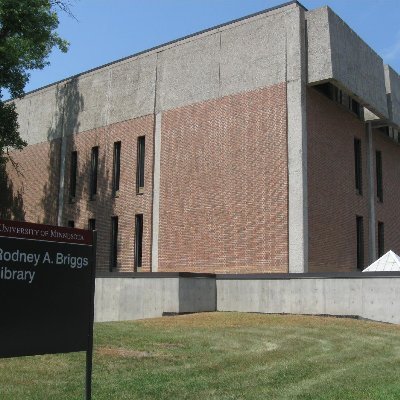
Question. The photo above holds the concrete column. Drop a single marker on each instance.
(297, 140)
(156, 193)
(371, 194)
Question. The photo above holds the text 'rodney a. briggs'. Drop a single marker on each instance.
(35, 259)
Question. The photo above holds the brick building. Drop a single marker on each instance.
(267, 144)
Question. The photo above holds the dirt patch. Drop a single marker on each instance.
(170, 345)
(125, 353)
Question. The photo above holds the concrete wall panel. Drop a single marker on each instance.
(132, 88)
(343, 297)
(318, 46)
(380, 300)
(40, 114)
(94, 90)
(253, 54)
(335, 52)
(197, 294)
(376, 298)
(188, 73)
(392, 81)
(122, 299)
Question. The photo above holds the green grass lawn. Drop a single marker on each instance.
(220, 356)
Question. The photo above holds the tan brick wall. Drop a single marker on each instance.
(332, 198)
(105, 205)
(224, 190)
(388, 211)
(31, 194)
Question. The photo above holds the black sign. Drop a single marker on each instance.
(46, 289)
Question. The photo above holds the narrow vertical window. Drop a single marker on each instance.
(141, 148)
(116, 167)
(72, 175)
(93, 171)
(381, 239)
(358, 165)
(138, 241)
(71, 224)
(92, 224)
(379, 182)
(114, 243)
(360, 242)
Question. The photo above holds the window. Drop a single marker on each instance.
(341, 97)
(360, 242)
(141, 145)
(379, 183)
(114, 243)
(358, 165)
(138, 241)
(93, 171)
(381, 239)
(116, 167)
(92, 224)
(355, 107)
(72, 175)
(71, 224)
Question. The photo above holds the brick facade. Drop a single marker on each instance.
(39, 187)
(32, 190)
(105, 205)
(333, 202)
(224, 190)
(388, 211)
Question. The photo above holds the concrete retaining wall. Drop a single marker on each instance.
(371, 296)
(374, 296)
(125, 297)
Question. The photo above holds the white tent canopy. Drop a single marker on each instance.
(388, 262)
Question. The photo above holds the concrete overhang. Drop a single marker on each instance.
(337, 54)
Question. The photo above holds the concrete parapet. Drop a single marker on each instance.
(239, 56)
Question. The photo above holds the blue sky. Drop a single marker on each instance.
(107, 30)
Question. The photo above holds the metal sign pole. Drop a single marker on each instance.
(89, 351)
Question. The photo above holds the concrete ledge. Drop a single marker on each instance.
(320, 275)
(152, 275)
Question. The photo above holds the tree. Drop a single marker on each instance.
(27, 36)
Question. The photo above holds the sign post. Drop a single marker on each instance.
(89, 351)
(47, 276)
